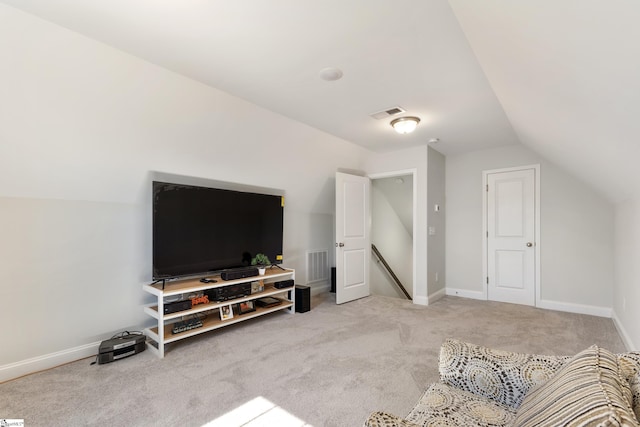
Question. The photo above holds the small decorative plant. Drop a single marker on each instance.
(261, 260)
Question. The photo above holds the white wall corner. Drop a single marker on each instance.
(628, 343)
(420, 300)
(576, 308)
(435, 296)
(48, 361)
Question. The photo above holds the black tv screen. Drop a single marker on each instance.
(201, 230)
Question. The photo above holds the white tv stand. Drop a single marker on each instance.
(161, 335)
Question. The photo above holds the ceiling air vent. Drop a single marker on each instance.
(389, 112)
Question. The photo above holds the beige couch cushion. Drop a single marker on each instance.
(445, 405)
(630, 369)
(587, 391)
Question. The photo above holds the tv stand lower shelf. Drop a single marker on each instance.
(211, 315)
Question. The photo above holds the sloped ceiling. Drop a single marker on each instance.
(410, 54)
(567, 74)
(561, 77)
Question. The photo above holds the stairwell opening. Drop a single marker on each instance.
(392, 219)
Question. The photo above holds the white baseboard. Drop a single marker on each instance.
(546, 304)
(465, 293)
(628, 343)
(421, 300)
(48, 361)
(436, 296)
(575, 308)
(318, 288)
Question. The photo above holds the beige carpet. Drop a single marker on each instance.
(331, 366)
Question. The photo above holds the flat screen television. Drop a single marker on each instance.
(202, 230)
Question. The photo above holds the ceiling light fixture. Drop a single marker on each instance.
(405, 124)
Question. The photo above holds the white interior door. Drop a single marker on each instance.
(511, 236)
(353, 239)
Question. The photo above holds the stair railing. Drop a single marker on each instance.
(390, 271)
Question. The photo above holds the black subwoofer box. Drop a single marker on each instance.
(303, 299)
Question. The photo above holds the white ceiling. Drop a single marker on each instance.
(560, 76)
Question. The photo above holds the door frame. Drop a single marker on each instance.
(538, 242)
(414, 174)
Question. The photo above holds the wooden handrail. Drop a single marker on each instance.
(390, 271)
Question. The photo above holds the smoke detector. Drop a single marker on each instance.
(331, 74)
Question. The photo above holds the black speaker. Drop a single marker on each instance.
(238, 273)
(303, 299)
(333, 279)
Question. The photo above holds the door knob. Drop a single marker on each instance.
(339, 245)
(529, 244)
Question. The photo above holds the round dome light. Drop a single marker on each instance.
(405, 125)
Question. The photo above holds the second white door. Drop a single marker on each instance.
(511, 236)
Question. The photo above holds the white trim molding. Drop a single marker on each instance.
(551, 305)
(48, 361)
(626, 339)
(319, 288)
(420, 300)
(439, 294)
(465, 293)
(575, 308)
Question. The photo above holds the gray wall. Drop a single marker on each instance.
(436, 242)
(83, 129)
(627, 272)
(576, 232)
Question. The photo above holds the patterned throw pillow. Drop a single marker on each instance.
(587, 391)
(383, 419)
(502, 376)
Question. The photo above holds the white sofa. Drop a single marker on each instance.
(480, 386)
